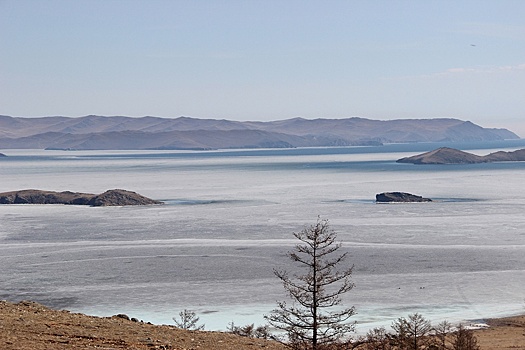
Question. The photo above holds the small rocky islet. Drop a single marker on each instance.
(400, 197)
(115, 197)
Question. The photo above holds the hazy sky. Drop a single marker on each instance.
(265, 59)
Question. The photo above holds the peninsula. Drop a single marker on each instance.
(445, 155)
(115, 197)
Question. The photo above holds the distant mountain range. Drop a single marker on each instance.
(126, 133)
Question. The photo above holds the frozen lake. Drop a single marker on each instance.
(228, 222)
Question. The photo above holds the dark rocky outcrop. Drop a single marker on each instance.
(445, 155)
(403, 197)
(109, 198)
(2, 155)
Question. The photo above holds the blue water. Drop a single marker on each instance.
(228, 222)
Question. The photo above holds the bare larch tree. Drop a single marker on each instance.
(315, 320)
(464, 339)
(411, 333)
(188, 320)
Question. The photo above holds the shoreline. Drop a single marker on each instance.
(218, 318)
(32, 326)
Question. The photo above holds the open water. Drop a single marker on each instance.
(228, 222)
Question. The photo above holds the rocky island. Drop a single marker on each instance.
(399, 197)
(446, 155)
(114, 197)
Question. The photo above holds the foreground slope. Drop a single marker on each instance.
(31, 326)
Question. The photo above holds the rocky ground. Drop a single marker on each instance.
(31, 326)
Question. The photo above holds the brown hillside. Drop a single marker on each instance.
(31, 326)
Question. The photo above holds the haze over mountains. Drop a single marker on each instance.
(126, 133)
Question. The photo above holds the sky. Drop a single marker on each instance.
(265, 59)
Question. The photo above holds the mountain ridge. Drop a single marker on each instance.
(121, 132)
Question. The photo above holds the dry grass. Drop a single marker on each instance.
(31, 326)
(504, 333)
